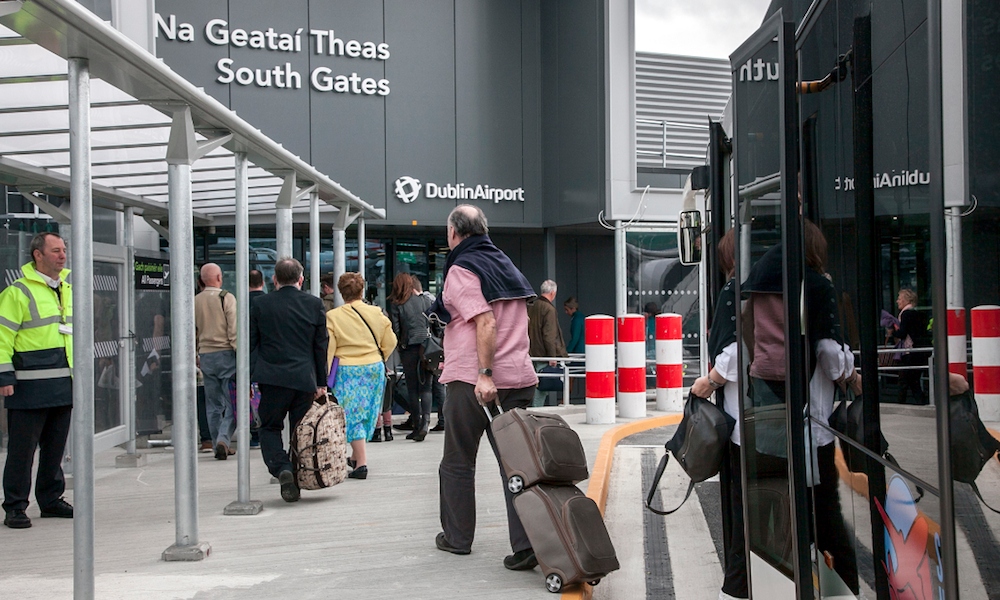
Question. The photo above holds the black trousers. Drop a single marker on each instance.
(832, 534)
(418, 392)
(45, 429)
(733, 539)
(275, 403)
(457, 474)
(204, 435)
(909, 379)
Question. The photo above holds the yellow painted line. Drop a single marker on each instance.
(597, 488)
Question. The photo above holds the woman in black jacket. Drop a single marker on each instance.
(406, 311)
(911, 332)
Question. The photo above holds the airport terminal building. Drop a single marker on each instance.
(541, 113)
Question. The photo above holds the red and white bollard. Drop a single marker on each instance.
(669, 363)
(599, 346)
(956, 342)
(986, 360)
(632, 366)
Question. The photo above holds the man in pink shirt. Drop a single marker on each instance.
(484, 303)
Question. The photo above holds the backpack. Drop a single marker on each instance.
(319, 446)
(972, 446)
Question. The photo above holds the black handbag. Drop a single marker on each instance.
(698, 445)
(432, 349)
(972, 446)
(848, 420)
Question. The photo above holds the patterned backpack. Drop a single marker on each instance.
(319, 447)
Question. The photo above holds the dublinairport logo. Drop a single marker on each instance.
(408, 189)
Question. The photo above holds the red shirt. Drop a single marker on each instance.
(463, 297)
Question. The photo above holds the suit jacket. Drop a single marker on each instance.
(289, 339)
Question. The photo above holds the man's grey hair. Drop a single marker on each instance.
(287, 271)
(38, 242)
(548, 286)
(466, 224)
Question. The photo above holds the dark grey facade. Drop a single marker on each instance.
(495, 93)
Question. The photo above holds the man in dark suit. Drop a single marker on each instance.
(289, 339)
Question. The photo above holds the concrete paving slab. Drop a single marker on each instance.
(359, 540)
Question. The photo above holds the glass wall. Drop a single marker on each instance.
(385, 255)
(658, 283)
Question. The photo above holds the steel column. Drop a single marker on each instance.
(314, 251)
(182, 345)
(243, 504)
(82, 262)
(128, 356)
(181, 152)
(339, 261)
(361, 246)
(283, 230)
(621, 271)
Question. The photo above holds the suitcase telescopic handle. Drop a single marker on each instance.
(489, 414)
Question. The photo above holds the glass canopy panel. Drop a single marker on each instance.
(29, 60)
(145, 180)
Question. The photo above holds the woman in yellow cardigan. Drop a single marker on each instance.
(361, 337)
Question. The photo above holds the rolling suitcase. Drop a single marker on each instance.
(319, 447)
(567, 533)
(538, 447)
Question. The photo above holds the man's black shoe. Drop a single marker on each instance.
(16, 519)
(523, 560)
(289, 487)
(442, 544)
(439, 426)
(407, 426)
(60, 508)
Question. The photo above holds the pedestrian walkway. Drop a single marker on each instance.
(360, 539)
(375, 538)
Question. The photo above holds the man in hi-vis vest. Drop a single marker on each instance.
(36, 363)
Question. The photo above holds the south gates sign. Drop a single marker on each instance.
(318, 42)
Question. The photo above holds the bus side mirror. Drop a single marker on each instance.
(689, 237)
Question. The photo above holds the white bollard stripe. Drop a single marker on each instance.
(985, 351)
(600, 358)
(989, 407)
(957, 349)
(632, 405)
(631, 354)
(669, 352)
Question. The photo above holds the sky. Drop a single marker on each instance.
(696, 27)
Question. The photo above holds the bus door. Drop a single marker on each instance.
(769, 263)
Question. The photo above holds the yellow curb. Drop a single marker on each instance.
(597, 488)
(995, 434)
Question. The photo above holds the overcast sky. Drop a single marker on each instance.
(696, 27)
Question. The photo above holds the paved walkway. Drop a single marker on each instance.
(375, 538)
(360, 539)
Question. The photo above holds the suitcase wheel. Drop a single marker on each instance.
(554, 583)
(515, 484)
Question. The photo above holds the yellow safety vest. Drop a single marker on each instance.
(36, 348)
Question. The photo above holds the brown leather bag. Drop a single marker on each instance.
(567, 533)
(537, 447)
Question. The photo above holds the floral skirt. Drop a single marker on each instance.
(359, 389)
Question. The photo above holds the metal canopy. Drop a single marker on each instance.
(133, 95)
